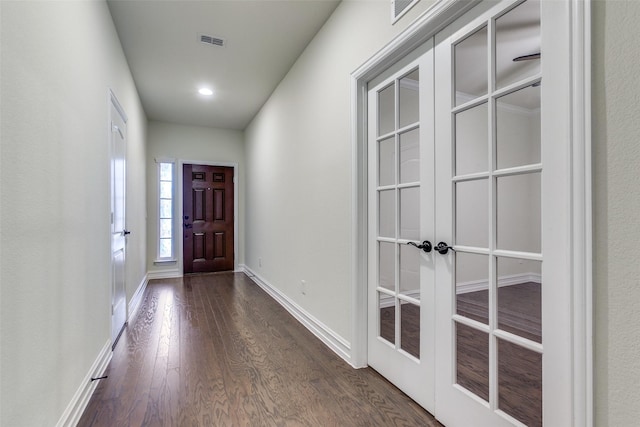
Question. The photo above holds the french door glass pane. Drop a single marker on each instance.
(518, 213)
(410, 271)
(409, 98)
(520, 297)
(410, 213)
(387, 213)
(387, 162)
(410, 156)
(472, 286)
(472, 360)
(471, 147)
(410, 328)
(520, 383)
(472, 210)
(517, 36)
(387, 307)
(518, 128)
(471, 67)
(386, 110)
(387, 265)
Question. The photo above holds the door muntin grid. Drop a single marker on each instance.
(398, 203)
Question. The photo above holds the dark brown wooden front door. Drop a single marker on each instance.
(207, 218)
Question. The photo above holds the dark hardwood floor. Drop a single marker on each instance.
(215, 350)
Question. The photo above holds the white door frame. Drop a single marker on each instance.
(178, 208)
(441, 14)
(113, 102)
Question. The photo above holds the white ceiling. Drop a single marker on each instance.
(169, 63)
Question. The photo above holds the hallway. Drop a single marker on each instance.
(215, 350)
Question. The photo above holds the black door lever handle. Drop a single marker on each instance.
(443, 248)
(425, 246)
(187, 225)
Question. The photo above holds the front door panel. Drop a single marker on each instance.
(208, 236)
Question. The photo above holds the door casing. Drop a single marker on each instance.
(441, 14)
(180, 199)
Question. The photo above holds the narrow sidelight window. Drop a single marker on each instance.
(165, 210)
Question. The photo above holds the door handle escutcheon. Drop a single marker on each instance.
(425, 246)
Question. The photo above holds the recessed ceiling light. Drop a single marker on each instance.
(204, 91)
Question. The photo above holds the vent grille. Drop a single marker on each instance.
(210, 40)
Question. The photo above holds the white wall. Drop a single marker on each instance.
(58, 61)
(616, 136)
(299, 174)
(192, 143)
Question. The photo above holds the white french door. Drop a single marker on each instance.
(401, 294)
(469, 295)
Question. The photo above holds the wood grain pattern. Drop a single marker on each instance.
(215, 350)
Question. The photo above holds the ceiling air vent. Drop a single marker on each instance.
(210, 40)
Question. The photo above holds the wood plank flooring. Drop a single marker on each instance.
(215, 350)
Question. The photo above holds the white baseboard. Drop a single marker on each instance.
(164, 274)
(483, 285)
(136, 299)
(241, 269)
(335, 342)
(80, 400)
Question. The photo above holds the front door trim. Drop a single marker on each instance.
(441, 14)
(180, 199)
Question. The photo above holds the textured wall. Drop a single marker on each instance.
(58, 61)
(616, 146)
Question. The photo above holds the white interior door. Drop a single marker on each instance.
(502, 297)
(481, 169)
(401, 313)
(118, 232)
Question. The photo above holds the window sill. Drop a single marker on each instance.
(165, 261)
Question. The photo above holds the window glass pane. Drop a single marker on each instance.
(165, 228)
(165, 248)
(410, 213)
(520, 383)
(471, 67)
(410, 156)
(472, 140)
(472, 286)
(520, 297)
(166, 171)
(472, 213)
(518, 128)
(165, 190)
(387, 307)
(386, 110)
(518, 44)
(410, 328)
(387, 162)
(409, 111)
(165, 208)
(518, 213)
(387, 215)
(410, 271)
(472, 360)
(387, 266)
